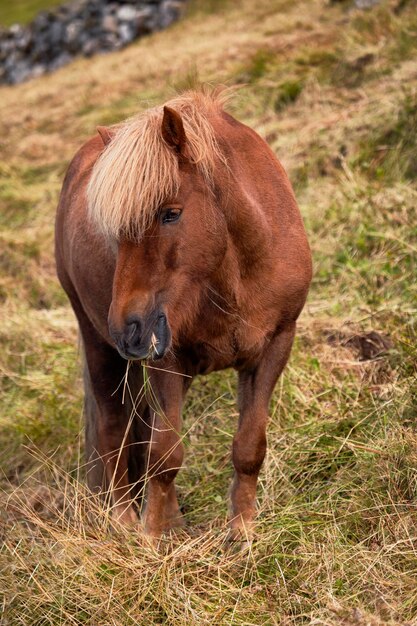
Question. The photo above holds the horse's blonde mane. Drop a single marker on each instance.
(137, 171)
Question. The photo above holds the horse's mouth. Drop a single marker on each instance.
(143, 355)
(152, 348)
(150, 353)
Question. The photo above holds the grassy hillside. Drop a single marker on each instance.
(334, 91)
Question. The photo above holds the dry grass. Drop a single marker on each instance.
(335, 93)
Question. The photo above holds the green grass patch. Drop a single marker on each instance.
(23, 11)
(288, 92)
(258, 66)
(391, 152)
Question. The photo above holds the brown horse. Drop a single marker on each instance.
(180, 245)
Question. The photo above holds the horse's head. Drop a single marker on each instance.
(160, 275)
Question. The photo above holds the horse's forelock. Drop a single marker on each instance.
(137, 171)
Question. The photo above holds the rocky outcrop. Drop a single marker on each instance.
(82, 27)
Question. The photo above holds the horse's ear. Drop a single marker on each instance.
(106, 134)
(173, 131)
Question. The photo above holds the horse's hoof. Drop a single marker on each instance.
(239, 547)
(176, 523)
(240, 540)
(126, 517)
(241, 531)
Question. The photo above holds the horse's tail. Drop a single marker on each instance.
(137, 417)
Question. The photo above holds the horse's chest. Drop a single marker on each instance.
(225, 343)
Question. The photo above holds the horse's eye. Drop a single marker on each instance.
(171, 215)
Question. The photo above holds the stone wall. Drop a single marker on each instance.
(81, 27)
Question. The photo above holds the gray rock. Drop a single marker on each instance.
(110, 41)
(23, 40)
(40, 51)
(110, 8)
(90, 47)
(19, 72)
(366, 4)
(37, 70)
(127, 32)
(41, 22)
(16, 30)
(170, 11)
(144, 19)
(63, 59)
(73, 30)
(126, 13)
(109, 23)
(56, 33)
(79, 27)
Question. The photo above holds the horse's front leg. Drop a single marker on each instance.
(108, 437)
(249, 443)
(166, 452)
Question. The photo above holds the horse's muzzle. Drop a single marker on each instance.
(143, 339)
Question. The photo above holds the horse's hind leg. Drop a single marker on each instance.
(249, 444)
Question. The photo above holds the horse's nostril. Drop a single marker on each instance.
(132, 331)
